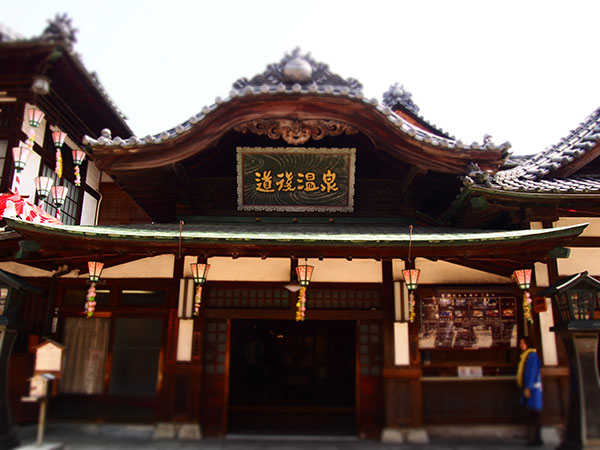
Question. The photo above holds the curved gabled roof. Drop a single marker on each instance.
(299, 88)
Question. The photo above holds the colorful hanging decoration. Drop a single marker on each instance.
(198, 300)
(58, 137)
(90, 304)
(411, 306)
(95, 270)
(301, 305)
(78, 158)
(527, 307)
(199, 272)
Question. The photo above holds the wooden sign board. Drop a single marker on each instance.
(295, 179)
(539, 305)
(49, 357)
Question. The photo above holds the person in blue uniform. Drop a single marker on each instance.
(530, 382)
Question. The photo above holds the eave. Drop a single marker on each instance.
(75, 245)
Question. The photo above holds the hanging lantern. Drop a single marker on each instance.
(59, 194)
(41, 85)
(58, 137)
(20, 155)
(35, 117)
(523, 278)
(95, 270)
(411, 278)
(199, 272)
(78, 157)
(304, 273)
(42, 187)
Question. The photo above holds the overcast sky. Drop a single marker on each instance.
(523, 71)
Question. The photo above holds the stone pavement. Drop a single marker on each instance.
(138, 438)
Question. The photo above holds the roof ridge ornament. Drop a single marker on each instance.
(295, 68)
(60, 29)
(397, 95)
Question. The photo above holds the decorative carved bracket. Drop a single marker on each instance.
(296, 132)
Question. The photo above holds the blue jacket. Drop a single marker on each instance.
(533, 381)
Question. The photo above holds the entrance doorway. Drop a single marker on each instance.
(292, 377)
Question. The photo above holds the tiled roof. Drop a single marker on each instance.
(535, 173)
(299, 76)
(61, 31)
(330, 234)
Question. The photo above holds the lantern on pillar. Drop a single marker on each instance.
(42, 188)
(304, 273)
(78, 158)
(95, 270)
(35, 117)
(58, 137)
(199, 272)
(523, 279)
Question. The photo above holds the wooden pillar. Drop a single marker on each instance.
(8, 436)
(402, 384)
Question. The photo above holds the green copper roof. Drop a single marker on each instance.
(285, 233)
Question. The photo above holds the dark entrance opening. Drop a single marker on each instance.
(292, 377)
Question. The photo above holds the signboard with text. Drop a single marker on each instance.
(295, 179)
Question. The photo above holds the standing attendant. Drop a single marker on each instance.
(530, 382)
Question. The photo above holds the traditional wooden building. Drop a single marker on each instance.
(295, 168)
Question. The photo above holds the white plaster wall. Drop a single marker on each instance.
(397, 268)
(23, 270)
(541, 275)
(442, 272)
(344, 271)
(244, 269)
(88, 211)
(184, 339)
(549, 351)
(160, 266)
(592, 230)
(93, 176)
(401, 344)
(582, 258)
(32, 170)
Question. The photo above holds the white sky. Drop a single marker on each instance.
(524, 71)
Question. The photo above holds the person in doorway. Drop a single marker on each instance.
(254, 355)
(530, 382)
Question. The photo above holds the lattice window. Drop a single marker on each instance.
(344, 299)
(215, 347)
(247, 298)
(370, 348)
(69, 211)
